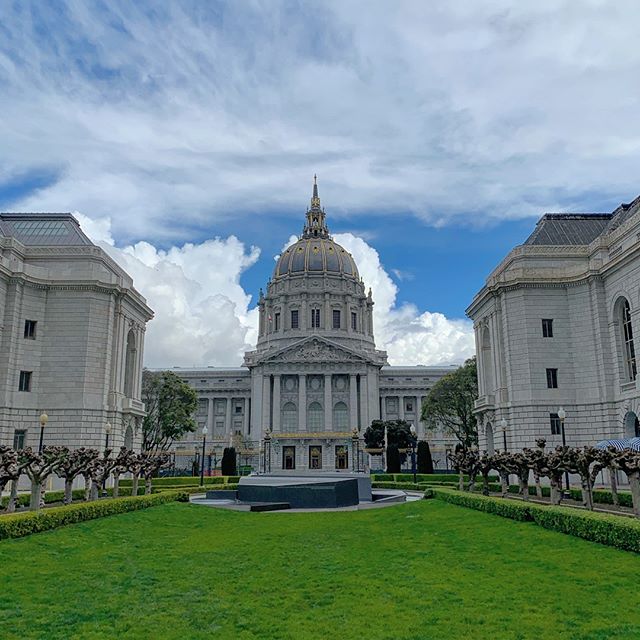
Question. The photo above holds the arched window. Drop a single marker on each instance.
(626, 333)
(128, 438)
(289, 420)
(631, 425)
(130, 364)
(340, 417)
(315, 417)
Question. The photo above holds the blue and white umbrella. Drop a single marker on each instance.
(620, 445)
(634, 443)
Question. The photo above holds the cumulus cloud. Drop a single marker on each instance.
(171, 118)
(202, 314)
(409, 336)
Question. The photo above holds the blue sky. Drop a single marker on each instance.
(440, 132)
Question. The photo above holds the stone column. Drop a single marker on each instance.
(328, 404)
(302, 402)
(245, 417)
(353, 401)
(276, 402)
(364, 402)
(227, 417)
(210, 417)
(266, 403)
(256, 403)
(384, 407)
(401, 407)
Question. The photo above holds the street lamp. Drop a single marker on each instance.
(413, 439)
(503, 427)
(204, 441)
(267, 451)
(44, 418)
(355, 441)
(107, 430)
(562, 414)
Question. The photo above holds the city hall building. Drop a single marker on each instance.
(71, 337)
(315, 375)
(556, 325)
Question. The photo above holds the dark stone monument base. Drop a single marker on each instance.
(222, 494)
(270, 506)
(300, 492)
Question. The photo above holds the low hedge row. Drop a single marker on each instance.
(185, 481)
(614, 531)
(58, 496)
(23, 524)
(404, 486)
(422, 477)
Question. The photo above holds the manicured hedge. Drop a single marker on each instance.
(616, 531)
(184, 481)
(51, 497)
(403, 486)
(424, 477)
(23, 524)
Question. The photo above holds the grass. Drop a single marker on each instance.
(425, 570)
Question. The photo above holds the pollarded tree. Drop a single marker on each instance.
(486, 464)
(450, 404)
(584, 461)
(38, 467)
(70, 466)
(556, 466)
(503, 465)
(629, 462)
(8, 466)
(458, 462)
(121, 465)
(170, 404)
(136, 464)
(538, 462)
(607, 460)
(151, 466)
(424, 459)
(100, 471)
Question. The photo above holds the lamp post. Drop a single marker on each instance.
(267, 451)
(355, 440)
(204, 442)
(503, 428)
(413, 438)
(44, 418)
(562, 414)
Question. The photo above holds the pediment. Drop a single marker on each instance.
(315, 349)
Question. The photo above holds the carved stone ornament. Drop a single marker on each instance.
(316, 351)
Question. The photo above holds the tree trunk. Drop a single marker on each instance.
(116, 485)
(68, 490)
(587, 494)
(634, 483)
(461, 481)
(87, 489)
(147, 486)
(556, 493)
(485, 484)
(524, 485)
(613, 480)
(95, 490)
(36, 491)
(472, 483)
(504, 482)
(134, 485)
(536, 479)
(13, 496)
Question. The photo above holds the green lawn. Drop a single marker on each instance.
(416, 571)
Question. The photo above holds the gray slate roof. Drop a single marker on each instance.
(43, 229)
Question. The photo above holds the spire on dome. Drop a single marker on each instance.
(316, 227)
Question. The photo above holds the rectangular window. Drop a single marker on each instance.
(25, 381)
(409, 407)
(354, 321)
(277, 322)
(547, 328)
(219, 426)
(294, 318)
(315, 318)
(30, 329)
(552, 378)
(556, 427)
(336, 318)
(19, 439)
(238, 408)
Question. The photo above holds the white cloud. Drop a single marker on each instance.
(202, 314)
(410, 336)
(167, 120)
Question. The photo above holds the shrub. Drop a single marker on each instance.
(182, 481)
(424, 462)
(393, 459)
(615, 531)
(228, 463)
(23, 524)
(52, 497)
(403, 486)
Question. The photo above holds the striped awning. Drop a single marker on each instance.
(620, 445)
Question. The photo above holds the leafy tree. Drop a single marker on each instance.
(398, 434)
(393, 459)
(424, 460)
(170, 404)
(450, 404)
(228, 464)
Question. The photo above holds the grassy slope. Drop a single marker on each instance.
(416, 571)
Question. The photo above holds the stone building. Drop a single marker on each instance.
(71, 336)
(555, 325)
(315, 374)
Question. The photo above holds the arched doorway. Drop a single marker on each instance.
(130, 363)
(631, 425)
(128, 438)
(489, 433)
